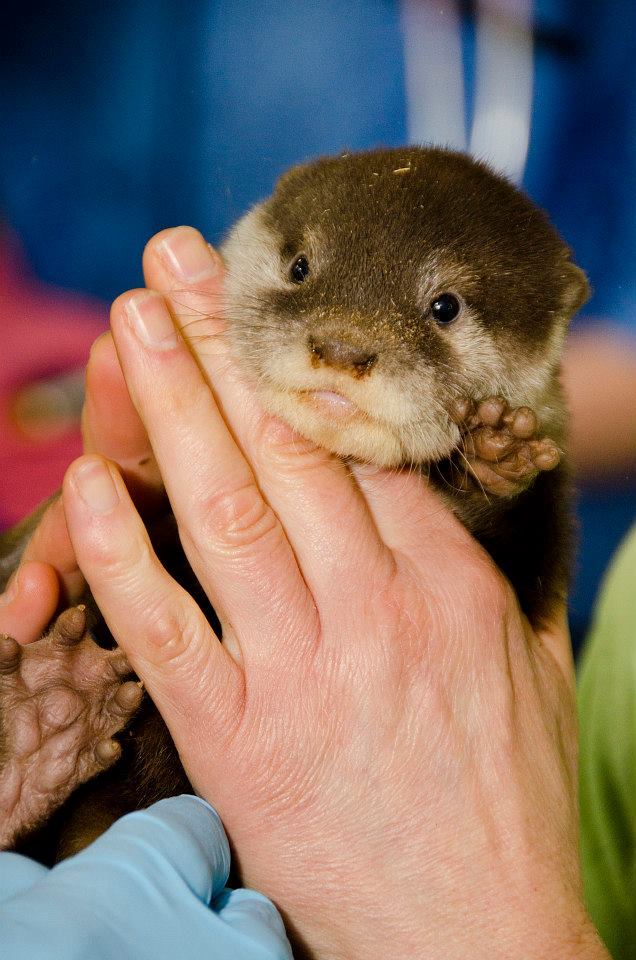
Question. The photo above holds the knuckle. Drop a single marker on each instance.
(480, 589)
(173, 636)
(237, 518)
(489, 589)
(106, 552)
(166, 635)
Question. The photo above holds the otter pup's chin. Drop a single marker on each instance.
(336, 423)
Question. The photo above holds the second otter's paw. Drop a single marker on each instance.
(62, 699)
(501, 451)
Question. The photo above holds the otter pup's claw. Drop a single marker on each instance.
(62, 700)
(501, 450)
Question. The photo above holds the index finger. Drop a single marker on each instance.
(309, 490)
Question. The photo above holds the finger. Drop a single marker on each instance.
(147, 881)
(232, 538)
(112, 427)
(43, 538)
(18, 875)
(415, 522)
(160, 628)
(253, 915)
(554, 635)
(325, 518)
(309, 490)
(29, 603)
(412, 518)
(70, 626)
(51, 544)
(175, 841)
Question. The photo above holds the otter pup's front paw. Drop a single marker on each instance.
(501, 450)
(62, 699)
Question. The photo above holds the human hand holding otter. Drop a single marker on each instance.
(51, 740)
(392, 750)
(388, 321)
(48, 575)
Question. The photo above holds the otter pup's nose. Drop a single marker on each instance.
(339, 353)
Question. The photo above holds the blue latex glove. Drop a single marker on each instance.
(141, 891)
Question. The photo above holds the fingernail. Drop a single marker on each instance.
(187, 254)
(11, 589)
(151, 321)
(95, 486)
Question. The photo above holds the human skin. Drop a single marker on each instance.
(390, 746)
(63, 699)
(599, 375)
(48, 574)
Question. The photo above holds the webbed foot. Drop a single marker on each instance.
(62, 699)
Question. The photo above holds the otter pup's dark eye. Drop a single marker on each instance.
(299, 270)
(445, 308)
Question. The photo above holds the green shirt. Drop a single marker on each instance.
(607, 716)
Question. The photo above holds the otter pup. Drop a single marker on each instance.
(403, 307)
(409, 306)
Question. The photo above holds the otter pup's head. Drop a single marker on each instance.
(373, 291)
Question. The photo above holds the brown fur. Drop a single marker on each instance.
(385, 232)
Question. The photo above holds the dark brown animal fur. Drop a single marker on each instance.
(385, 232)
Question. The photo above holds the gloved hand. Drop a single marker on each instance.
(140, 891)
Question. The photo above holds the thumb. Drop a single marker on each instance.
(255, 920)
(179, 842)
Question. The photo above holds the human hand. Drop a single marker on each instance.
(47, 574)
(37, 566)
(599, 377)
(141, 890)
(391, 747)
(63, 698)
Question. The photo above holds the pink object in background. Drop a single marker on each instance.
(45, 337)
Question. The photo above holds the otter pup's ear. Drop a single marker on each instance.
(576, 288)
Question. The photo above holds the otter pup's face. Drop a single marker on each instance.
(373, 291)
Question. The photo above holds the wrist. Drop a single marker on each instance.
(458, 932)
(581, 944)
(578, 941)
